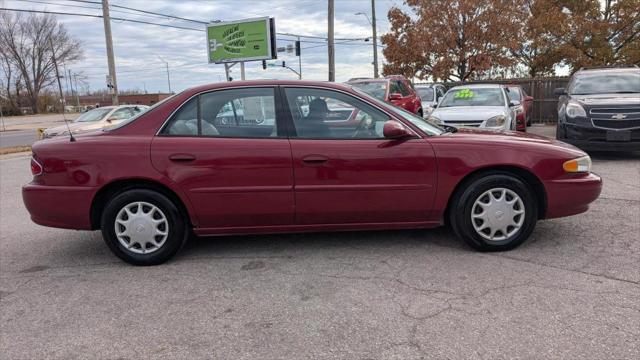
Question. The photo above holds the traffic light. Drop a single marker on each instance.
(297, 48)
(264, 64)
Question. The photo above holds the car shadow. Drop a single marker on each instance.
(274, 244)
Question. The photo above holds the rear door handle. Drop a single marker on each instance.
(315, 159)
(182, 157)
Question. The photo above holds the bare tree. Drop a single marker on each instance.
(28, 44)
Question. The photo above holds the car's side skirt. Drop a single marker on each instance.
(315, 228)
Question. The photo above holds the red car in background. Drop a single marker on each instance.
(294, 156)
(524, 109)
(395, 89)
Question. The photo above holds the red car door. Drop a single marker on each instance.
(225, 150)
(360, 177)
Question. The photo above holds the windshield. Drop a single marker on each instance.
(144, 111)
(428, 127)
(514, 93)
(473, 97)
(606, 83)
(426, 94)
(377, 89)
(92, 115)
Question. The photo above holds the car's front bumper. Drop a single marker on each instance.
(588, 137)
(67, 207)
(570, 196)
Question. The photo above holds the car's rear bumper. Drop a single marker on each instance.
(65, 207)
(571, 196)
(595, 139)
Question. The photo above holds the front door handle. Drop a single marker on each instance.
(182, 157)
(315, 159)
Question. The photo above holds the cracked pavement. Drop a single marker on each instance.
(571, 291)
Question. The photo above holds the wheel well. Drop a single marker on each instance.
(112, 189)
(525, 175)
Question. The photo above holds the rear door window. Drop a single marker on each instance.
(244, 113)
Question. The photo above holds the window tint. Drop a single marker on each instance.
(394, 88)
(440, 92)
(326, 114)
(403, 89)
(605, 83)
(185, 120)
(246, 113)
(426, 94)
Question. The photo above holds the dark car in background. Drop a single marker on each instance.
(523, 111)
(394, 89)
(430, 94)
(600, 109)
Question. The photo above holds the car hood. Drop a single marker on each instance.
(462, 113)
(608, 99)
(513, 137)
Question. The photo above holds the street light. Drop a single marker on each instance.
(375, 40)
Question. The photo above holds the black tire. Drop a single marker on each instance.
(177, 233)
(463, 202)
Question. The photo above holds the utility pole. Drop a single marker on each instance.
(75, 78)
(331, 49)
(375, 39)
(299, 59)
(55, 66)
(166, 63)
(110, 57)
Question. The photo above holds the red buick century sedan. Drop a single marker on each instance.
(287, 156)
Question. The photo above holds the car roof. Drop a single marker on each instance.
(607, 70)
(476, 86)
(249, 83)
(366, 80)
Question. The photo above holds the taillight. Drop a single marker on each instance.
(36, 168)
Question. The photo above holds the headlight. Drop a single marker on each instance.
(581, 164)
(435, 120)
(496, 121)
(574, 110)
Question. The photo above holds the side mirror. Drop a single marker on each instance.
(513, 103)
(395, 96)
(394, 130)
(559, 91)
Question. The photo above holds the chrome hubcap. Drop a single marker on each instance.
(141, 227)
(497, 214)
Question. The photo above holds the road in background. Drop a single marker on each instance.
(571, 291)
(22, 130)
(18, 138)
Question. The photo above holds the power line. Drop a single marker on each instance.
(200, 21)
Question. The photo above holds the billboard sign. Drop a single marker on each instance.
(243, 40)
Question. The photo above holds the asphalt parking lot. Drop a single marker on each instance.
(571, 291)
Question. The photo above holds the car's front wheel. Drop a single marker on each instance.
(494, 212)
(143, 227)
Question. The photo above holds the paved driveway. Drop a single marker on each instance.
(571, 292)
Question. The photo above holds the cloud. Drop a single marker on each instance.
(137, 46)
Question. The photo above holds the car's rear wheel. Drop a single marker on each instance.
(494, 212)
(143, 227)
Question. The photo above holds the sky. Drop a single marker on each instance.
(139, 48)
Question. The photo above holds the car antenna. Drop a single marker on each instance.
(55, 65)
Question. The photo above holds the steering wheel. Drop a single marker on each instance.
(365, 127)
